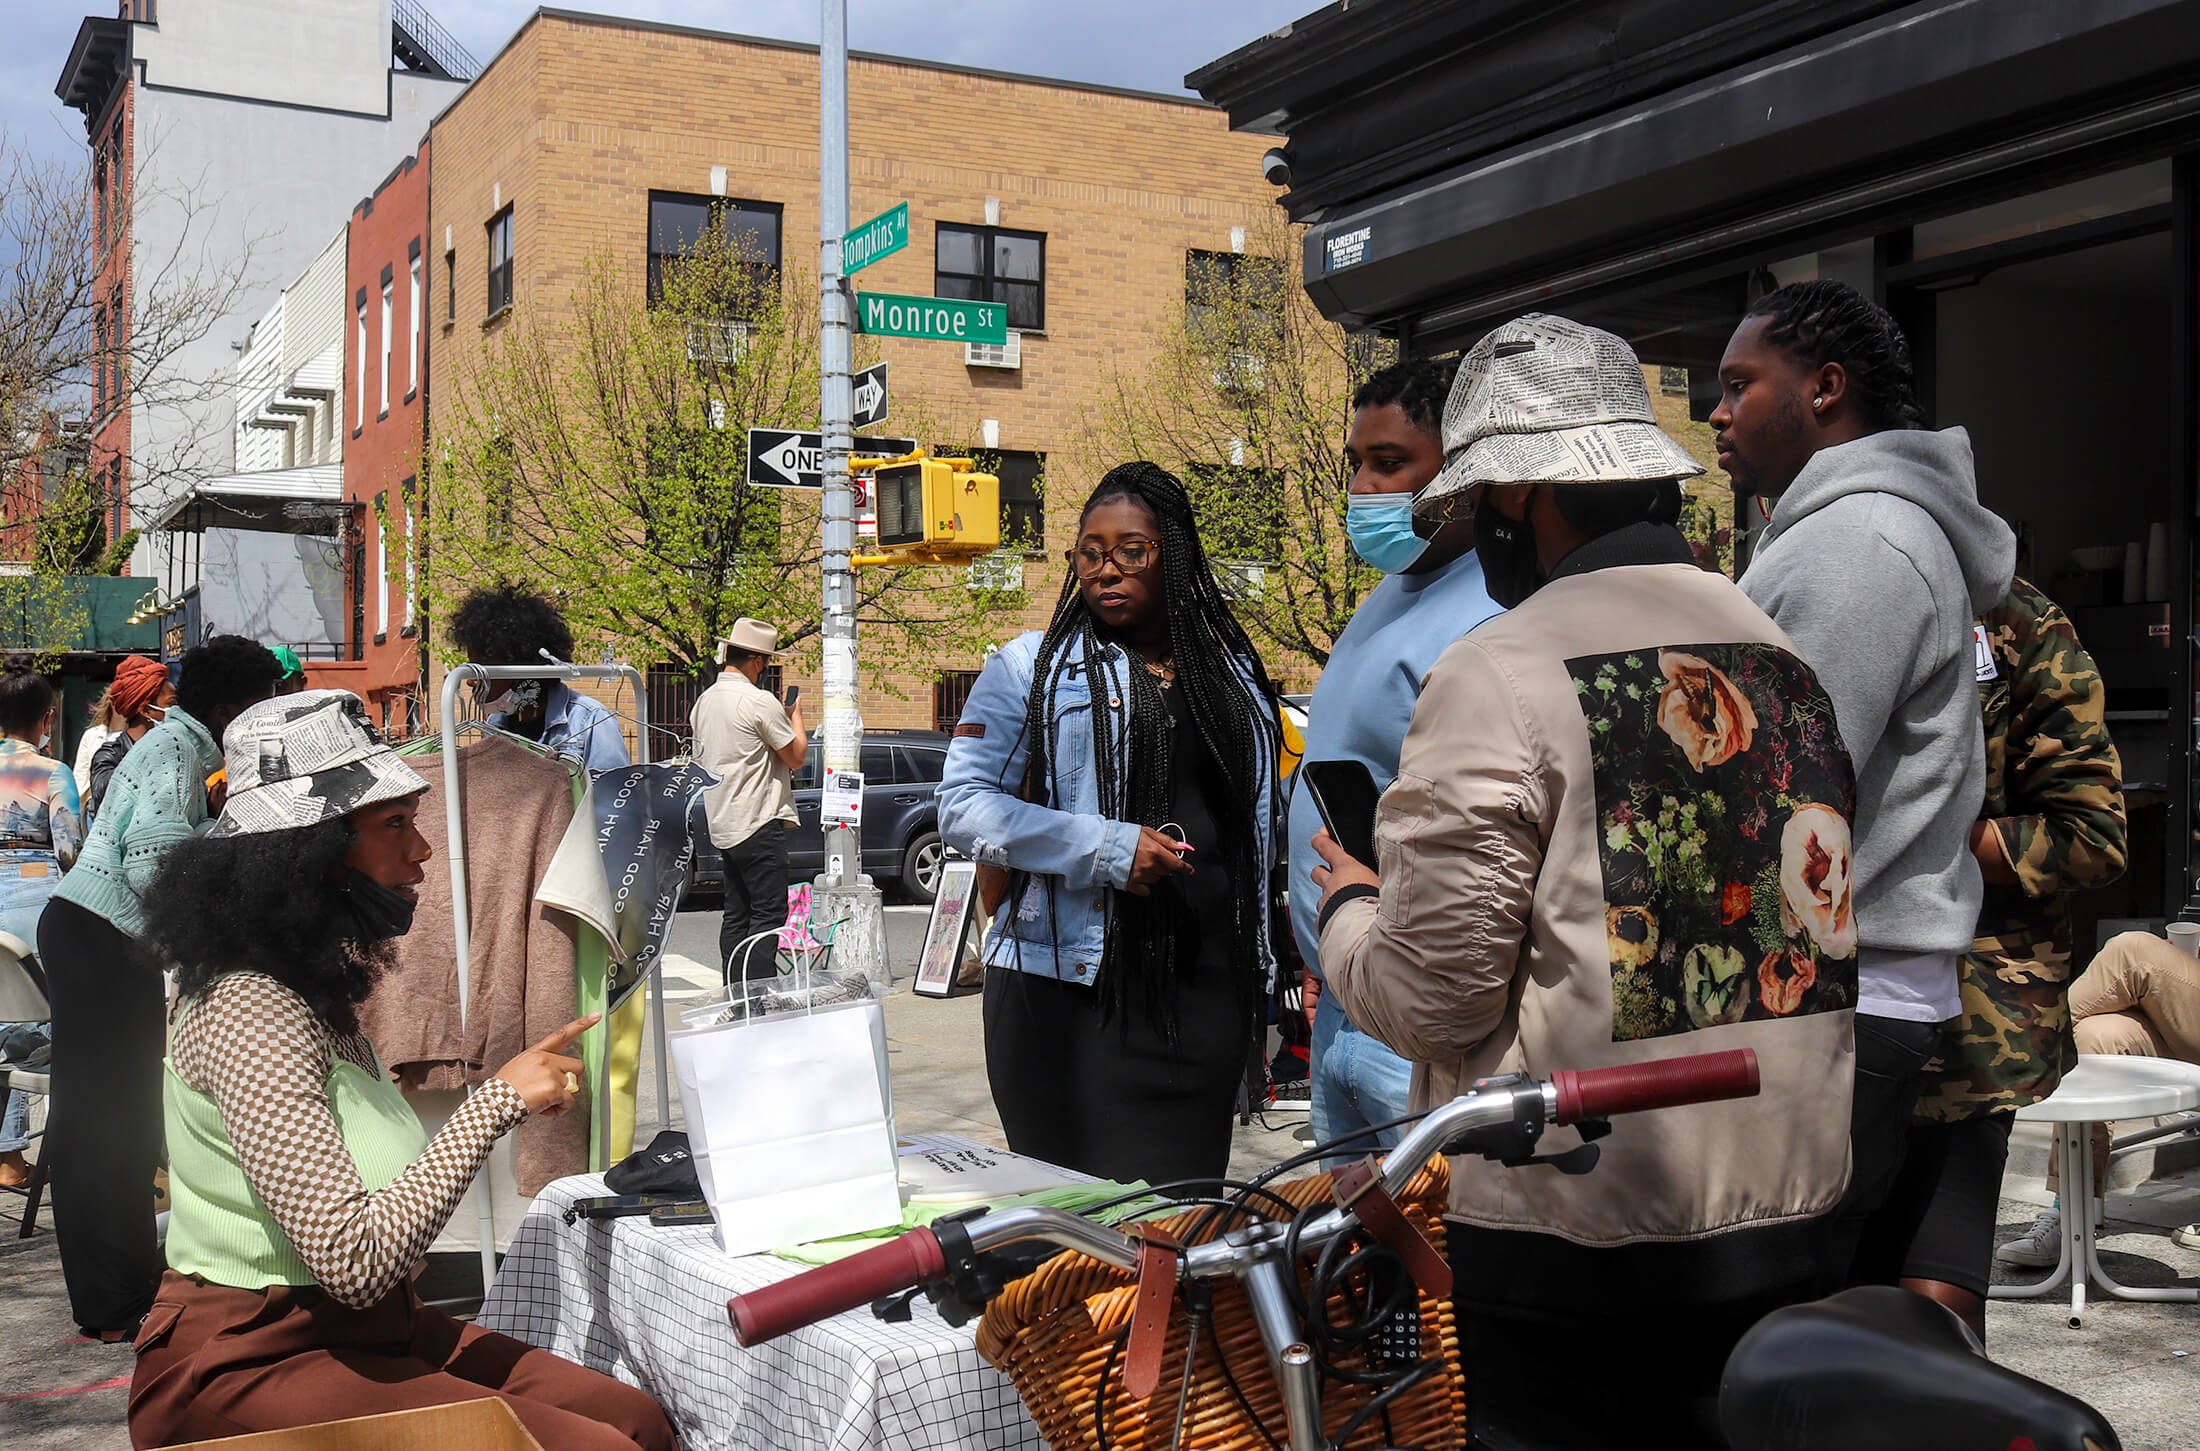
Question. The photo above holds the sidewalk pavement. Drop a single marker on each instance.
(2136, 1362)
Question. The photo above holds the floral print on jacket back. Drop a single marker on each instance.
(1724, 797)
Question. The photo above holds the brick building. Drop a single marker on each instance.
(1075, 204)
(386, 372)
(227, 132)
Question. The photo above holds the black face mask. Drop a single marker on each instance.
(377, 912)
(1507, 550)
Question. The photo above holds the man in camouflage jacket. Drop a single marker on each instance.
(2052, 824)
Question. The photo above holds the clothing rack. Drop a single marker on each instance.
(461, 928)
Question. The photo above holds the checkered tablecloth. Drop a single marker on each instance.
(648, 1306)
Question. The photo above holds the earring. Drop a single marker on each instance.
(1817, 405)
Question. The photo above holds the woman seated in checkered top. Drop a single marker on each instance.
(304, 1191)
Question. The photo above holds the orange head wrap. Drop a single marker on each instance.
(137, 681)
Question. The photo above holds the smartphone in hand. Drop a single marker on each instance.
(794, 693)
(1345, 794)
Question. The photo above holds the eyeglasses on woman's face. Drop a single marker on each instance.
(1132, 556)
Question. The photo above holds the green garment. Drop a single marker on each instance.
(1076, 1198)
(218, 1229)
(2054, 795)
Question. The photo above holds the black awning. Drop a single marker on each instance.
(1909, 109)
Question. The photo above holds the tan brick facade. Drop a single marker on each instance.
(578, 120)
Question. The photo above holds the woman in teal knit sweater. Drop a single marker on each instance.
(304, 1190)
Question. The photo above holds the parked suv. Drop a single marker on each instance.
(901, 825)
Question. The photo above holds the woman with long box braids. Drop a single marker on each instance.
(1120, 769)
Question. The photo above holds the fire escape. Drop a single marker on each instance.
(419, 43)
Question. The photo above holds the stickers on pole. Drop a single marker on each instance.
(843, 803)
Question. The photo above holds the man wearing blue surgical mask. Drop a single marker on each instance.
(1432, 594)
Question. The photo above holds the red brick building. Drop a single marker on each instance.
(386, 379)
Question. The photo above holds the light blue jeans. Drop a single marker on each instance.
(18, 1041)
(1358, 1082)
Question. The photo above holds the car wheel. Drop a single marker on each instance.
(920, 866)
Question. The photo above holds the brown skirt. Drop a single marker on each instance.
(213, 1361)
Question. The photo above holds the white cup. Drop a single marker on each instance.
(2185, 937)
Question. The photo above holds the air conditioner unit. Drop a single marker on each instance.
(1241, 372)
(1002, 569)
(1241, 581)
(996, 355)
(718, 343)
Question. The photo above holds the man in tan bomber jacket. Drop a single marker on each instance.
(1620, 832)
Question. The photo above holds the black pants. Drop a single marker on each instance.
(1938, 1223)
(1111, 1096)
(1890, 1054)
(756, 901)
(1552, 1363)
(104, 1137)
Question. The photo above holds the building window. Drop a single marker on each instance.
(412, 284)
(500, 262)
(359, 373)
(679, 223)
(1240, 511)
(450, 287)
(993, 264)
(412, 576)
(1234, 301)
(1023, 514)
(103, 326)
(949, 694)
(389, 324)
(381, 567)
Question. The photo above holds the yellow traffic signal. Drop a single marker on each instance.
(932, 510)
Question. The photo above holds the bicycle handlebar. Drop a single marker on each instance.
(916, 1257)
(899, 1264)
(1666, 1083)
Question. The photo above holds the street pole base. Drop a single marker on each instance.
(859, 939)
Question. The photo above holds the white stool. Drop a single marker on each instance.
(2103, 1087)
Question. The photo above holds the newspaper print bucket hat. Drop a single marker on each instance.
(1544, 399)
(299, 760)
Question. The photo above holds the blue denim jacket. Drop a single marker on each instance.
(984, 816)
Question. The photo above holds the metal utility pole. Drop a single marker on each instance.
(850, 896)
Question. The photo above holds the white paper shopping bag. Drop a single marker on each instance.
(790, 1120)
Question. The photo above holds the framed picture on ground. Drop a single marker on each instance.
(939, 967)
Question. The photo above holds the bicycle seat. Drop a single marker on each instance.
(1880, 1367)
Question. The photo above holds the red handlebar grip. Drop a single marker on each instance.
(1667, 1083)
(814, 1295)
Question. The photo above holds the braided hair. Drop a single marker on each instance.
(1418, 386)
(1132, 767)
(1831, 322)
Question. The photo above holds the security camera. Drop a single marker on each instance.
(1276, 166)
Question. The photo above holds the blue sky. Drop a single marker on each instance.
(1148, 44)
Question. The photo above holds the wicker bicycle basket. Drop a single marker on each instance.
(1059, 1334)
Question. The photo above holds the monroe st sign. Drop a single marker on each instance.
(942, 319)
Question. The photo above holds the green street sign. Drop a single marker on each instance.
(946, 319)
(882, 236)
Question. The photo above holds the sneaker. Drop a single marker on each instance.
(2040, 1247)
(2186, 1236)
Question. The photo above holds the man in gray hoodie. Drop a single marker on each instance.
(1877, 560)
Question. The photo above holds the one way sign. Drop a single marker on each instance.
(870, 391)
(781, 458)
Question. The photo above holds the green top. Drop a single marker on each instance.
(156, 799)
(218, 1228)
(2054, 795)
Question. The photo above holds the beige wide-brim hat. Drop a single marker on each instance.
(753, 636)
(298, 760)
(1545, 399)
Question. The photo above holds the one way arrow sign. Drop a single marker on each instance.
(783, 458)
(870, 392)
